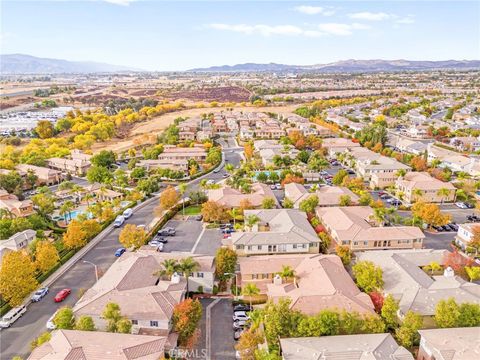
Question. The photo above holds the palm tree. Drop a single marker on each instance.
(379, 214)
(169, 267)
(250, 290)
(6, 214)
(182, 188)
(417, 193)
(251, 220)
(443, 192)
(87, 197)
(287, 273)
(234, 213)
(187, 266)
(401, 172)
(256, 317)
(76, 189)
(65, 209)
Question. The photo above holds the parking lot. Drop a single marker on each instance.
(209, 242)
(186, 235)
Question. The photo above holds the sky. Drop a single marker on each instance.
(180, 35)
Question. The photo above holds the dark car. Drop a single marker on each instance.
(472, 218)
(119, 252)
(385, 196)
(160, 239)
(453, 226)
(62, 295)
(242, 307)
(199, 217)
(351, 172)
(438, 228)
(470, 206)
(396, 202)
(446, 228)
(168, 231)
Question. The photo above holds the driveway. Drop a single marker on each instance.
(222, 347)
(209, 242)
(439, 241)
(186, 236)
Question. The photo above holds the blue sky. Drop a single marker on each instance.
(178, 35)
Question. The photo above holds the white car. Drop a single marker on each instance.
(278, 186)
(39, 294)
(50, 325)
(118, 221)
(160, 247)
(240, 315)
(127, 213)
(461, 205)
(13, 315)
(154, 243)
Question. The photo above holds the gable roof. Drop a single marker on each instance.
(453, 343)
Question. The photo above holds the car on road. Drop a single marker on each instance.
(39, 294)
(62, 295)
(118, 221)
(127, 213)
(473, 218)
(453, 226)
(119, 252)
(13, 315)
(461, 205)
(395, 202)
(273, 187)
(470, 206)
(210, 182)
(225, 175)
(50, 324)
(168, 231)
(446, 228)
(240, 315)
(216, 171)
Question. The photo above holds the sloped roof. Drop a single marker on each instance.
(453, 343)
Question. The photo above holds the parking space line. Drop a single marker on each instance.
(197, 241)
(208, 322)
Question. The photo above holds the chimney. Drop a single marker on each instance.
(175, 278)
(277, 280)
(448, 272)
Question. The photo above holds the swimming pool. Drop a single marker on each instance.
(75, 213)
(266, 172)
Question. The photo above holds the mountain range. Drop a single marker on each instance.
(27, 64)
(349, 66)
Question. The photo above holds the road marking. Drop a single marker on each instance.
(208, 335)
(197, 241)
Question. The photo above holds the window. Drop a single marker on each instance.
(153, 323)
(294, 246)
(254, 276)
(199, 274)
(365, 243)
(264, 276)
(259, 247)
(239, 247)
(249, 247)
(355, 243)
(345, 242)
(134, 322)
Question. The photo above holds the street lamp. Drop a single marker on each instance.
(236, 283)
(96, 268)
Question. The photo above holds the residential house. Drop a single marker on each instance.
(16, 242)
(354, 226)
(327, 195)
(277, 231)
(130, 281)
(416, 186)
(45, 175)
(173, 164)
(232, 198)
(415, 289)
(382, 180)
(465, 234)
(171, 152)
(78, 164)
(359, 347)
(449, 344)
(465, 143)
(335, 146)
(15, 207)
(321, 282)
(410, 146)
(93, 345)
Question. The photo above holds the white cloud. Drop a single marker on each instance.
(409, 19)
(335, 29)
(370, 16)
(120, 2)
(313, 10)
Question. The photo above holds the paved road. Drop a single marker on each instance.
(16, 340)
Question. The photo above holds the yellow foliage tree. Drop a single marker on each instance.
(169, 198)
(76, 236)
(132, 236)
(17, 277)
(430, 214)
(46, 256)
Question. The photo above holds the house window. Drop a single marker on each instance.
(355, 243)
(153, 323)
(264, 276)
(134, 322)
(249, 247)
(345, 242)
(239, 247)
(200, 275)
(254, 276)
(365, 243)
(259, 247)
(294, 246)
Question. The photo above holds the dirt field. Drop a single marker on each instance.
(222, 94)
(146, 132)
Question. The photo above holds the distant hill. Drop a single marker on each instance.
(349, 66)
(27, 64)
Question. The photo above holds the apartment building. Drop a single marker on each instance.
(16, 242)
(45, 175)
(174, 153)
(420, 186)
(327, 195)
(466, 233)
(15, 207)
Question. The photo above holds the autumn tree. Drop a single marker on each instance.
(245, 204)
(45, 129)
(407, 333)
(248, 150)
(75, 237)
(64, 318)
(368, 276)
(169, 198)
(430, 214)
(225, 263)
(389, 311)
(214, 212)
(291, 178)
(44, 202)
(91, 227)
(419, 163)
(17, 277)
(456, 261)
(85, 323)
(132, 236)
(46, 256)
(248, 344)
(344, 252)
(186, 316)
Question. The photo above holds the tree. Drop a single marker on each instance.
(250, 290)
(85, 323)
(365, 199)
(44, 202)
(262, 177)
(368, 276)
(99, 174)
(169, 198)
(169, 267)
(225, 263)
(268, 203)
(66, 209)
(419, 163)
(345, 200)
(187, 266)
(148, 186)
(75, 237)
(245, 204)
(287, 273)
(138, 173)
(248, 344)
(447, 313)
(64, 318)
(111, 313)
(344, 252)
(45, 129)
(46, 256)
(104, 158)
(339, 176)
(132, 236)
(251, 220)
(186, 316)
(291, 178)
(287, 203)
(433, 267)
(407, 333)
(430, 214)
(469, 315)
(43, 338)
(309, 204)
(214, 212)
(443, 193)
(389, 311)
(17, 277)
(124, 326)
(11, 182)
(473, 272)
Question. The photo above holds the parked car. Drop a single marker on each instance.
(453, 226)
(239, 324)
(160, 247)
(272, 187)
(210, 182)
(50, 324)
(119, 252)
(438, 228)
(240, 315)
(395, 202)
(278, 186)
(154, 243)
(198, 217)
(237, 334)
(39, 294)
(160, 239)
(168, 231)
(385, 197)
(225, 175)
(118, 221)
(242, 307)
(446, 228)
(473, 218)
(127, 213)
(350, 172)
(62, 295)
(469, 206)
(461, 205)
(13, 315)
(216, 171)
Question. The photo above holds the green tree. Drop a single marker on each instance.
(287, 273)
(44, 202)
(99, 174)
(368, 276)
(187, 266)
(447, 313)
(339, 176)
(64, 318)
(407, 333)
(104, 158)
(262, 177)
(124, 326)
(473, 272)
(17, 277)
(389, 311)
(345, 200)
(111, 313)
(11, 182)
(225, 263)
(287, 203)
(268, 203)
(43, 338)
(250, 290)
(469, 315)
(433, 267)
(309, 204)
(85, 323)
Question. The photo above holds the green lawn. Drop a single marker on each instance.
(192, 210)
